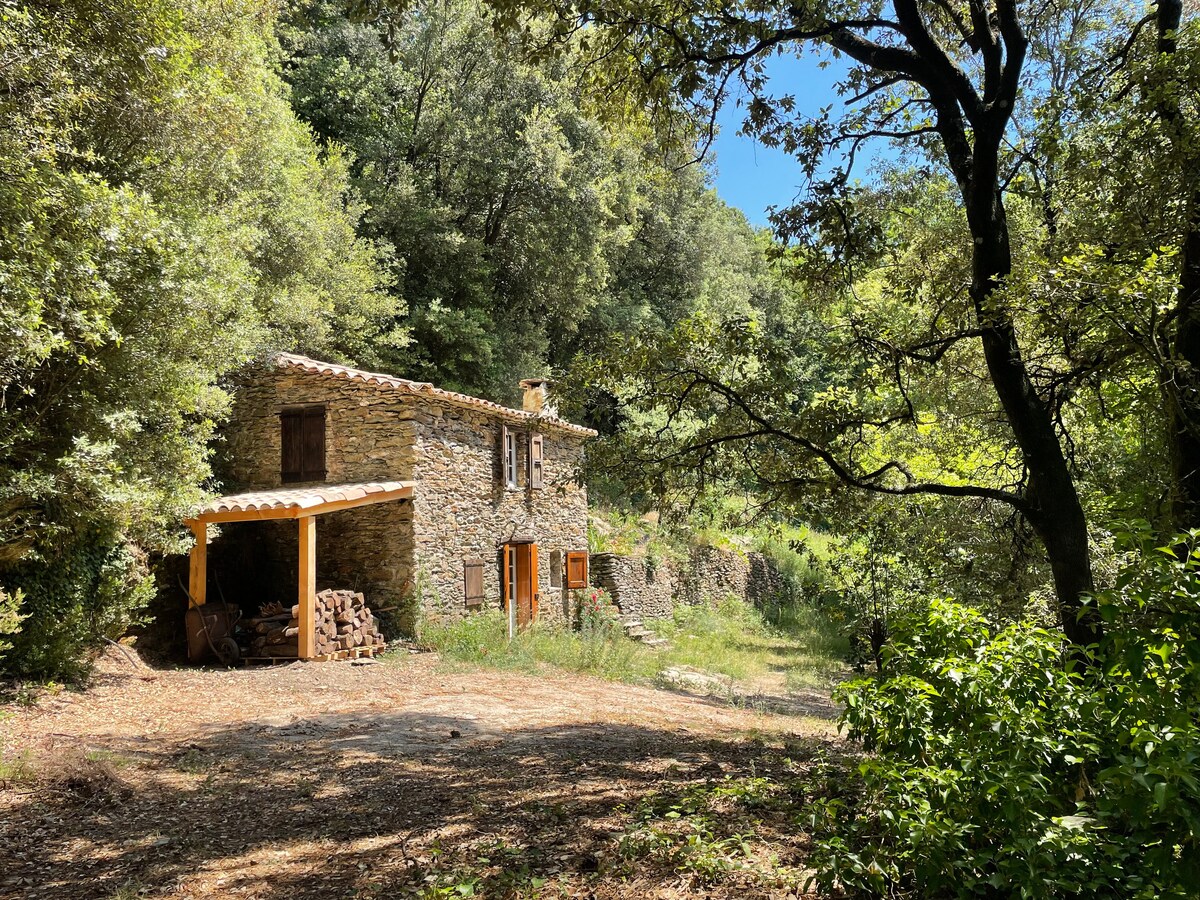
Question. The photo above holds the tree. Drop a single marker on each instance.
(163, 219)
(948, 80)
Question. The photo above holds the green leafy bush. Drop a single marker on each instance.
(598, 616)
(999, 768)
(88, 589)
(10, 618)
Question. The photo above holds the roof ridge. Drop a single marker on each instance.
(320, 367)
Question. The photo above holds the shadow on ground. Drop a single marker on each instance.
(363, 805)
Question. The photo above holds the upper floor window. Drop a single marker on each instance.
(508, 439)
(302, 432)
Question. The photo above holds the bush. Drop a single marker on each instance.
(76, 595)
(598, 616)
(999, 770)
(10, 618)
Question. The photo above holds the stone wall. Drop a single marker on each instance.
(463, 510)
(368, 435)
(395, 553)
(640, 590)
(650, 589)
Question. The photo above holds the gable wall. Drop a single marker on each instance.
(462, 510)
(368, 437)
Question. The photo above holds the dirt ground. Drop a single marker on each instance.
(400, 779)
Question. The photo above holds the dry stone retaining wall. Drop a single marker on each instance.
(650, 589)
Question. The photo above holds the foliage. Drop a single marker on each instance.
(11, 617)
(527, 226)
(998, 767)
(599, 618)
(163, 219)
(730, 639)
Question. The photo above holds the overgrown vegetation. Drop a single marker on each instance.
(997, 760)
(731, 639)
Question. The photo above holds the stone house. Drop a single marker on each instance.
(489, 506)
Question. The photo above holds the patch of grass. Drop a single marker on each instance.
(16, 770)
(193, 761)
(709, 832)
(130, 890)
(735, 639)
(482, 639)
(731, 639)
(108, 758)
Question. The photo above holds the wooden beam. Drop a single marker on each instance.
(198, 565)
(307, 639)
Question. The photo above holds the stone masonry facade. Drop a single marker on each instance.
(406, 556)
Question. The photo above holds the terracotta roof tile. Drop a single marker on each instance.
(425, 389)
(289, 499)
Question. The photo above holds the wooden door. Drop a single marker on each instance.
(521, 582)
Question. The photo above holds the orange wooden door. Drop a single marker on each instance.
(521, 580)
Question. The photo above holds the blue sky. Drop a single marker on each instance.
(753, 177)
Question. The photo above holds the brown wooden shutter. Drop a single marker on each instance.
(536, 447)
(473, 582)
(292, 446)
(577, 569)
(314, 444)
(302, 444)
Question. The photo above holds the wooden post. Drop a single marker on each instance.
(307, 639)
(198, 565)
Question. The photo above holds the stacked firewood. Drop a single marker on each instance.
(342, 621)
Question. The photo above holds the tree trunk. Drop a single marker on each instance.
(1053, 506)
(1181, 380)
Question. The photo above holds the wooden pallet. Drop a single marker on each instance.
(352, 653)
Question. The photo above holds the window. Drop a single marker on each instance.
(508, 455)
(473, 583)
(577, 569)
(536, 445)
(302, 444)
(556, 563)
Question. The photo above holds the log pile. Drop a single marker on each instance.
(342, 621)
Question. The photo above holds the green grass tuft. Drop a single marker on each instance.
(731, 639)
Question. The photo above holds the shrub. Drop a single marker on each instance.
(598, 616)
(76, 595)
(10, 617)
(998, 770)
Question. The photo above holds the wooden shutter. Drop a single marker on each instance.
(536, 446)
(314, 444)
(302, 444)
(292, 445)
(577, 569)
(473, 582)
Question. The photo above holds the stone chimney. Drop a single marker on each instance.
(537, 398)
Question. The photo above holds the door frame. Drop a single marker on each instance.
(519, 568)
